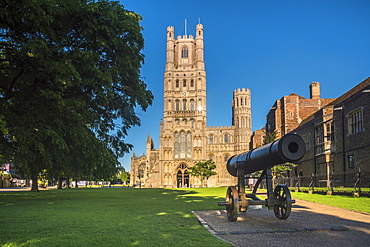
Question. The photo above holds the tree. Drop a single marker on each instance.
(203, 171)
(70, 83)
(124, 176)
(3, 131)
(270, 137)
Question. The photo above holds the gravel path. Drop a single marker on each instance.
(309, 224)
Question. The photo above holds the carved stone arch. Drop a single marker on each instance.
(182, 177)
(211, 156)
(226, 138)
(184, 104)
(211, 139)
(192, 105)
(182, 167)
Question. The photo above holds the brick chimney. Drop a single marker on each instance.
(315, 90)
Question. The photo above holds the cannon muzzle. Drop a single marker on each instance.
(290, 148)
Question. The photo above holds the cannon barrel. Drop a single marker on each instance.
(290, 148)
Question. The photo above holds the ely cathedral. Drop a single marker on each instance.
(185, 138)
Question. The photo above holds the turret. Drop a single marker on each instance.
(149, 144)
(199, 47)
(170, 48)
(242, 108)
(242, 120)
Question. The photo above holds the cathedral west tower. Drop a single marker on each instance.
(185, 138)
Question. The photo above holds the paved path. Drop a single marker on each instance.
(16, 189)
(309, 224)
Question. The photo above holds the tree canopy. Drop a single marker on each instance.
(70, 83)
(203, 171)
(270, 137)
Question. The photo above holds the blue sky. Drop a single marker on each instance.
(273, 48)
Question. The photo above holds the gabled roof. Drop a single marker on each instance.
(299, 96)
(361, 86)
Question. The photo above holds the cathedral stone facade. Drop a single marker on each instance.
(185, 138)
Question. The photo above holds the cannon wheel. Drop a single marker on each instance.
(232, 207)
(284, 206)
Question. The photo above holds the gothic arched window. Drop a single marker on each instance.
(226, 138)
(192, 105)
(177, 105)
(188, 145)
(176, 147)
(182, 176)
(182, 145)
(184, 52)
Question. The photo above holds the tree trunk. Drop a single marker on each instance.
(60, 185)
(76, 186)
(67, 182)
(34, 179)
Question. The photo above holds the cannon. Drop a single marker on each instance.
(290, 148)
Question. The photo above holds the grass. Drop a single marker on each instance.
(107, 217)
(360, 204)
(121, 216)
(335, 189)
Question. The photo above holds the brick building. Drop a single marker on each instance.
(337, 140)
(257, 137)
(289, 111)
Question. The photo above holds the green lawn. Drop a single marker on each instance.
(121, 216)
(107, 217)
(360, 204)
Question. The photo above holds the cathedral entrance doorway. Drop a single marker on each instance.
(182, 177)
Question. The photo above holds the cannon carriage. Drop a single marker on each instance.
(290, 148)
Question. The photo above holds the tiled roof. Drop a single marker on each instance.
(350, 93)
(333, 102)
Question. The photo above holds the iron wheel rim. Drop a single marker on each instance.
(283, 208)
(232, 208)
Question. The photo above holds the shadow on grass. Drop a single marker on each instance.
(107, 217)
